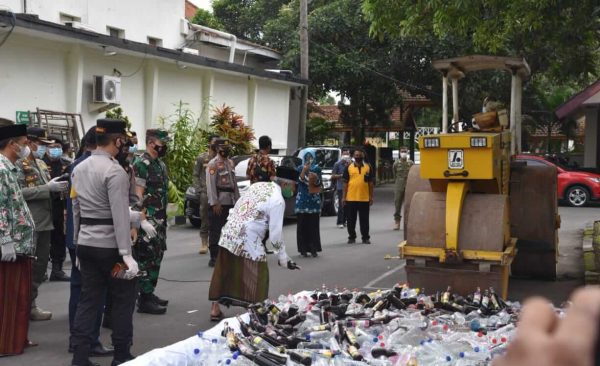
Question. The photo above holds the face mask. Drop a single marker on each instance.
(224, 153)
(403, 155)
(160, 150)
(41, 151)
(24, 151)
(287, 191)
(55, 152)
(358, 160)
(132, 149)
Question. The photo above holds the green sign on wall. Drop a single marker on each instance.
(22, 118)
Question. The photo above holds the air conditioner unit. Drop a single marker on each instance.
(107, 89)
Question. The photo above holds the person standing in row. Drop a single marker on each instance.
(358, 196)
(401, 168)
(337, 175)
(38, 187)
(222, 192)
(152, 186)
(16, 242)
(199, 181)
(308, 206)
(58, 164)
(101, 222)
(261, 168)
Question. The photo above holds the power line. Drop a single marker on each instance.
(390, 78)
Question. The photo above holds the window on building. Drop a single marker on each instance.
(115, 32)
(68, 20)
(155, 42)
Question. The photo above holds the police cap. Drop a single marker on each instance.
(108, 125)
(40, 134)
(158, 133)
(222, 142)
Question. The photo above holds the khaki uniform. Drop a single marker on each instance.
(200, 187)
(222, 189)
(401, 169)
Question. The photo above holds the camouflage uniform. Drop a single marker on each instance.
(151, 174)
(400, 168)
(200, 187)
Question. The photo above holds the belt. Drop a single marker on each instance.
(231, 190)
(93, 221)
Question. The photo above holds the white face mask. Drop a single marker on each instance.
(403, 155)
(24, 152)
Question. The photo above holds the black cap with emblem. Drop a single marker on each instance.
(108, 125)
(11, 131)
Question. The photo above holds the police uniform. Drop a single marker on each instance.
(58, 167)
(221, 189)
(33, 177)
(151, 174)
(200, 187)
(101, 223)
(401, 168)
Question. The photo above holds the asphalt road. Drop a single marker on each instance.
(185, 278)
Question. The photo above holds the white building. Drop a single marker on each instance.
(55, 48)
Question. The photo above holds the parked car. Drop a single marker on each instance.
(576, 188)
(326, 157)
(192, 205)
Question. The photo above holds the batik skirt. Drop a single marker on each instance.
(238, 281)
(15, 305)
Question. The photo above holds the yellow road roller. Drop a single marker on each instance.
(461, 200)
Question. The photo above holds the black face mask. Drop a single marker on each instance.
(358, 160)
(160, 150)
(122, 154)
(224, 153)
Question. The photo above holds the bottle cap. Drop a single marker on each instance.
(200, 334)
(448, 358)
(462, 355)
(215, 340)
(196, 351)
(476, 349)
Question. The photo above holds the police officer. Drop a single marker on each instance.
(37, 187)
(58, 164)
(401, 168)
(222, 194)
(200, 187)
(152, 185)
(101, 222)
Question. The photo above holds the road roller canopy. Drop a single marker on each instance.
(457, 67)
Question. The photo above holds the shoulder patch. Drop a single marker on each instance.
(212, 171)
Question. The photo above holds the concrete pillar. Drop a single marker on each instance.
(518, 113)
(590, 142)
(208, 86)
(513, 114)
(252, 101)
(151, 75)
(455, 115)
(74, 75)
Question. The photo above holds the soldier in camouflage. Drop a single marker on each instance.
(400, 168)
(152, 187)
(200, 187)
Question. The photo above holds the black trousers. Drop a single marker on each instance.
(216, 223)
(361, 209)
(58, 249)
(308, 235)
(95, 267)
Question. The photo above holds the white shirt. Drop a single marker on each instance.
(261, 208)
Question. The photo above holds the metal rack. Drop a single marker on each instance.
(67, 126)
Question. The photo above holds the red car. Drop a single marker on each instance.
(577, 188)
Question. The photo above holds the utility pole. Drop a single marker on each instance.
(303, 70)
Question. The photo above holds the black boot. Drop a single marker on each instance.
(148, 306)
(122, 355)
(159, 301)
(58, 274)
(81, 356)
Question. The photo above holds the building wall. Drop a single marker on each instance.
(139, 19)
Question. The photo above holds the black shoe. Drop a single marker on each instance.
(122, 355)
(116, 362)
(159, 301)
(366, 241)
(314, 254)
(304, 254)
(351, 241)
(89, 363)
(211, 262)
(59, 276)
(100, 350)
(146, 305)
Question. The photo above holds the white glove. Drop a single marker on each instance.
(132, 266)
(8, 252)
(55, 186)
(148, 229)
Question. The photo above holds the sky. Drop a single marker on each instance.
(204, 4)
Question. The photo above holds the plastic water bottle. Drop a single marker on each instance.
(197, 358)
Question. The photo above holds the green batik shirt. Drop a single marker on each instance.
(151, 174)
(16, 222)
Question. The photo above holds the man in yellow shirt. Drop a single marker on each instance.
(358, 196)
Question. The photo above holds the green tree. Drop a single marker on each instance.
(317, 131)
(117, 113)
(559, 38)
(206, 18)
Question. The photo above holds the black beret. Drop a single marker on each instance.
(107, 125)
(7, 132)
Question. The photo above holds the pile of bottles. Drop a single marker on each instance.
(400, 326)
